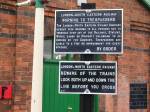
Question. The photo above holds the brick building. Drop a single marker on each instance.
(16, 53)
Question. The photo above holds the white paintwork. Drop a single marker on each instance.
(81, 1)
(37, 77)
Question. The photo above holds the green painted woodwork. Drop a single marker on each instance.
(97, 57)
(68, 57)
(96, 103)
(52, 100)
(96, 97)
(146, 3)
(39, 4)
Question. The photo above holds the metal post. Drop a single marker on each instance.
(87, 101)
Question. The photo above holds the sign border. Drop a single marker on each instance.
(116, 78)
(87, 52)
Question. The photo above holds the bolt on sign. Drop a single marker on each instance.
(96, 31)
(88, 77)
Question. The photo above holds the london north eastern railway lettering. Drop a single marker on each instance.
(96, 77)
(98, 31)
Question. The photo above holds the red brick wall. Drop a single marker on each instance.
(133, 65)
(7, 49)
(24, 54)
(16, 50)
(16, 47)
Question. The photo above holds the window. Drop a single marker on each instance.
(48, 49)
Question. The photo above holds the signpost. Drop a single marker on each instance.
(88, 31)
(88, 77)
(94, 31)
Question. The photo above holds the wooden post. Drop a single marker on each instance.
(37, 74)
